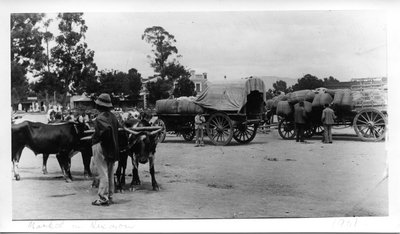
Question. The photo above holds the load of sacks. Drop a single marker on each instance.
(181, 105)
(341, 99)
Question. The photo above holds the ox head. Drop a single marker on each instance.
(144, 144)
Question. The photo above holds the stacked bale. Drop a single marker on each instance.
(321, 90)
(300, 95)
(167, 106)
(284, 109)
(321, 99)
(307, 106)
(269, 104)
(277, 99)
(186, 106)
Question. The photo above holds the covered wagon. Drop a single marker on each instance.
(231, 110)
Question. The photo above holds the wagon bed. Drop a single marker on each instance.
(231, 111)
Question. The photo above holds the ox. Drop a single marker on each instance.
(62, 139)
(142, 149)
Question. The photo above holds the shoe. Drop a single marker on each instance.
(110, 200)
(330, 142)
(100, 202)
(202, 144)
(197, 145)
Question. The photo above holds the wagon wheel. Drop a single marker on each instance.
(318, 130)
(370, 125)
(286, 129)
(245, 133)
(163, 133)
(219, 129)
(189, 134)
(309, 131)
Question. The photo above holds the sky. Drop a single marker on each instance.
(342, 44)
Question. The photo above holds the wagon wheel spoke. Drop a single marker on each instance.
(362, 121)
(364, 118)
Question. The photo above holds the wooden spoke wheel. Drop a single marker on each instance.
(189, 133)
(318, 130)
(220, 129)
(370, 125)
(161, 136)
(245, 133)
(286, 129)
(309, 131)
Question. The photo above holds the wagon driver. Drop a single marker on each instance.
(105, 148)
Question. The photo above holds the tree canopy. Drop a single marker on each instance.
(184, 87)
(162, 43)
(280, 85)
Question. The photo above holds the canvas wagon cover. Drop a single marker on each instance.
(229, 97)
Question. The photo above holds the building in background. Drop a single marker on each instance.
(199, 80)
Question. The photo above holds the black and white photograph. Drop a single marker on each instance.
(230, 117)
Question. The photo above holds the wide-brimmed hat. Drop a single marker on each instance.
(104, 100)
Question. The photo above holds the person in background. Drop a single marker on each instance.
(70, 117)
(51, 115)
(300, 121)
(105, 149)
(328, 119)
(199, 121)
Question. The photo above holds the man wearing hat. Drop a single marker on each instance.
(105, 148)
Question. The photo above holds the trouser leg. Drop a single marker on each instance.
(296, 130)
(201, 136)
(329, 133)
(301, 132)
(110, 175)
(326, 134)
(197, 136)
(102, 169)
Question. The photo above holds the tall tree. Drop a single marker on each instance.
(308, 82)
(163, 47)
(72, 57)
(158, 90)
(26, 40)
(26, 52)
(174, 71)
(134, 83)
(280, 85)
(184, 87)
(331, 80)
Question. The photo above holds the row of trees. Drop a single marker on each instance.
(306, 82)
(64, 64)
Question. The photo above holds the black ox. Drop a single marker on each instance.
(62, 139)
(142, 149)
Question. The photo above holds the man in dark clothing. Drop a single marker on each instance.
(105, 148)
(300, 121)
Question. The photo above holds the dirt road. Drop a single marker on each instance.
(269, 177)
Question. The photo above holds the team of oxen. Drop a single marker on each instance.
(137, 139)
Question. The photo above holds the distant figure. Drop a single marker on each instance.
(199, 121)
(328, 118)
(51, 115)
(20, 107)
(70, 117)
(300, 121)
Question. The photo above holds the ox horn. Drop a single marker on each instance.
(131, 131)
(155, 132)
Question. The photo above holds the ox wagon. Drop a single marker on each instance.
(367, 114)
(231, 111)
